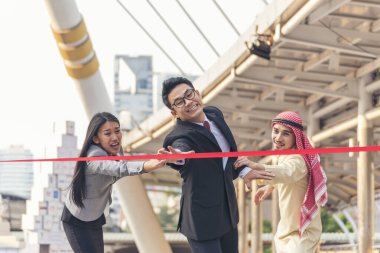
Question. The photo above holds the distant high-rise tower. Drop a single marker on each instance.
(16, 178)
(133, 89)
(141, 67)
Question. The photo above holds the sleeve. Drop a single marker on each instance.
(290, 170)
(183, 146)
(244, 172)
(115, 168)
(240, 172)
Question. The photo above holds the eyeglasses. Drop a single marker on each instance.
(179, 102)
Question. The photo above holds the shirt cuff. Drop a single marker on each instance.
(244, 172)
(181, 161)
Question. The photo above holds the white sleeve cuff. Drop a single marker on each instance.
(181, 161)
(244, 172)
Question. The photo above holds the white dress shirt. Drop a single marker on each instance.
(224, 146)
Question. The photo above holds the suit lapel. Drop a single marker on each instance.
(224, 129)
(226, 133)
(200, 129)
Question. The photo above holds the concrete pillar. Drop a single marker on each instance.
(141, 219)
(275, 216)
(243, 219)
(312, 122)
(275, 211)
(365, 174)
(256, 223)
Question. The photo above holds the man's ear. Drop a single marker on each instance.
(174, 113)
(95, 139)
(199, 94)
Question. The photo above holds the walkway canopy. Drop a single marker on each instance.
(324, 54)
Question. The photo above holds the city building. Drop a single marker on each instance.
(16, 178)
(43, 231)
(133, 89)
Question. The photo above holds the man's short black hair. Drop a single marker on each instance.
(169, 84)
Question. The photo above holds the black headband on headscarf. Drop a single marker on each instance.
(289, 123)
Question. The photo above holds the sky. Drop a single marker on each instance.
(37, 95)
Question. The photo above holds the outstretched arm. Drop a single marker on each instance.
(257, 171)
(171, 150)
(153, 164)
(244, 161)
(257, 174)
(179, 146)
(115, 168)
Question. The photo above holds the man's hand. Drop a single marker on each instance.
(244, 161)
(257, 174)
(262, 193)
(171, 150)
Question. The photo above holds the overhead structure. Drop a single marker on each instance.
(81, 64)
(324, 65)
(150, 37)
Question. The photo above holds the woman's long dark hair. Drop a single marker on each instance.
(78, 184)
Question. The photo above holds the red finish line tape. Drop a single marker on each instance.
(207, 155)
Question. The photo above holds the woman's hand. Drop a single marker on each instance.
(153, 164)
(262, 193)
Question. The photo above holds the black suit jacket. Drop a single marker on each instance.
(208, 201)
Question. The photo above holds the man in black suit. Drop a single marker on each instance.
(209, 213)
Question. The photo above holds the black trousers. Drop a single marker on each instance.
(227, 243)
(84, 239)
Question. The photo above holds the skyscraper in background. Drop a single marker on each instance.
(16, 178)
(133, 89)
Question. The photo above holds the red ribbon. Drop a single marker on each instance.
(207, 155)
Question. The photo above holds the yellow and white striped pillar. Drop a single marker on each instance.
(76, 49)
(78, 55)
(82, 65)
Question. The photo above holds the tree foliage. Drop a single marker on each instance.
(329, 225)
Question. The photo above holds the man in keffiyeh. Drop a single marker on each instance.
(301, 184)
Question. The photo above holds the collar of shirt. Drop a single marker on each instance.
(201, 123)
(223, 144)
(222, 141)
